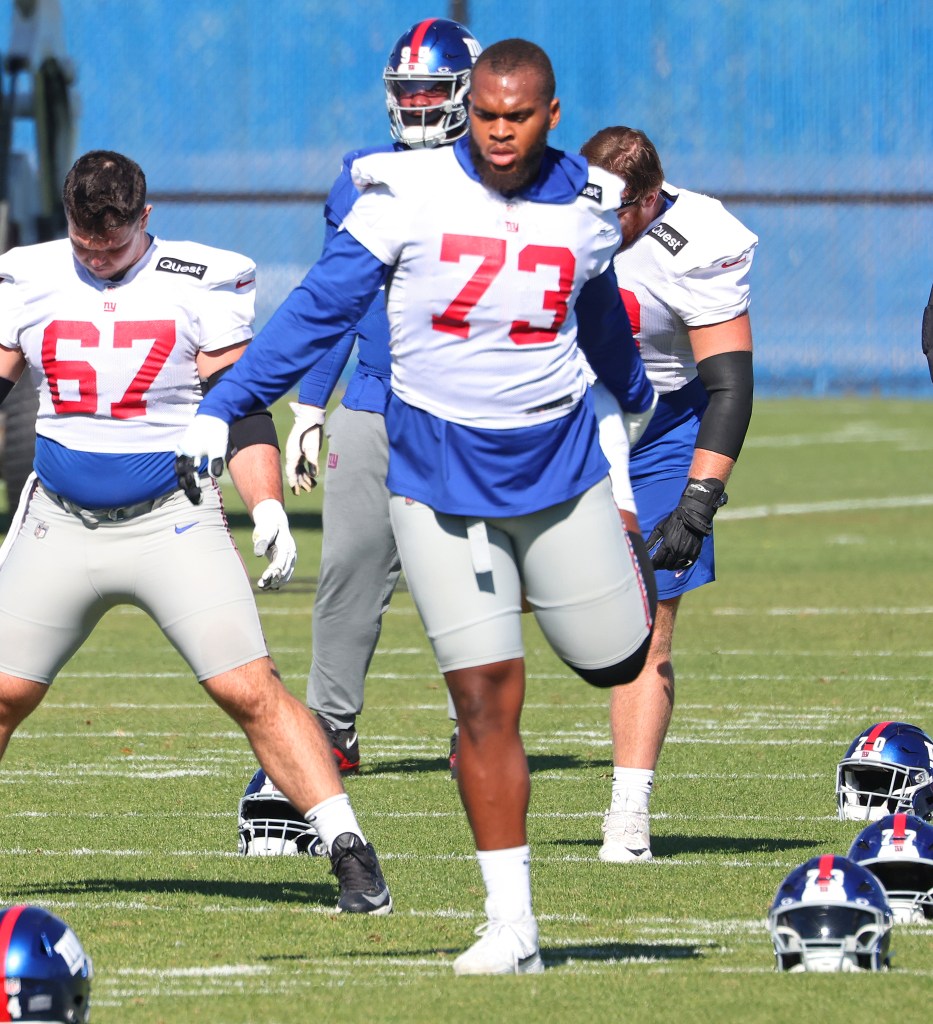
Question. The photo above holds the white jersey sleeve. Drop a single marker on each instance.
(481, 296)
(689, 269)
(115, 362)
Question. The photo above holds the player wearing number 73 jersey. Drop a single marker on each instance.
(496, 253)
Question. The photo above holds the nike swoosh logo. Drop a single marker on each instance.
(725, 266)
(243, 284)
(184, 529)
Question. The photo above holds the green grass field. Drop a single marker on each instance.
(118, 797)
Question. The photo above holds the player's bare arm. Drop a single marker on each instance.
(12, 364)
(256, 471)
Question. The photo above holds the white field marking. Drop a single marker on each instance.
(143, 815)
(750, 652)
(811, 507)
(220, 971)
(804, 610)
(446, 858)
(864, 432)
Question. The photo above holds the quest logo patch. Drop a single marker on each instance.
(173, 266)
(668, 237)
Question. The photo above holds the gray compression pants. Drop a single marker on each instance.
(574, 562)
(178, 563)
(359, 565)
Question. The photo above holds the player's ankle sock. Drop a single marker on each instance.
(332, 817)
(507, 877)
(631, 787)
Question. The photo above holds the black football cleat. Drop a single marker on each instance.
(363, 890)
(345, 744)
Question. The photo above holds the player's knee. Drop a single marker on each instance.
(625, 671)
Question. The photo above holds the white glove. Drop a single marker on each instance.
(272, 538)
(303, 447)
(205, 435)
(636, 423)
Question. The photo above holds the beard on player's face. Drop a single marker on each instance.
(519, 176)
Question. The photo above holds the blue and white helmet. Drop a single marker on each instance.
(830, 914)
(270, 826)
(46, 975)
(898, 851)
(434, 57)
(888, 769)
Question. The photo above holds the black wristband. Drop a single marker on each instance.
(699, 502)
(6, 386)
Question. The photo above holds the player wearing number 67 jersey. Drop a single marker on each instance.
(121, 332)
(684, 267)
(496, 255)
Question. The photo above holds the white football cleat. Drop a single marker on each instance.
(504, 947)
(625, 835)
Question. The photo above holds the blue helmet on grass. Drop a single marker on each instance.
(898, 851)
(270, 826)
(830, 914)
(46, 973)
(888, 769)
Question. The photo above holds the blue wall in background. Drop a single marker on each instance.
(745, 99)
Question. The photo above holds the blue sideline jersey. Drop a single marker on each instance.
(368, 387)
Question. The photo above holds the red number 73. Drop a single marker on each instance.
(161, 333)
(492, 253)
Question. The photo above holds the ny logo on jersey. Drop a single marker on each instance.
(110, 307)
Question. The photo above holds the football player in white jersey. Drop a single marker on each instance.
(683, 268)
(496, 253)
(121, 333)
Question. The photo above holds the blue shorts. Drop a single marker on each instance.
(659, 466)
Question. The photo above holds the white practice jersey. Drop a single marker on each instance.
(481, 297)
(689, 269)
(114, 363)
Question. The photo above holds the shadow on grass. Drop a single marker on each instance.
(536, 763)
(606, 952)
(678, 846)
(278, 892)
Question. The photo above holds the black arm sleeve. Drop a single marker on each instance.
(254, 428)
(6, 386)
(729, 381)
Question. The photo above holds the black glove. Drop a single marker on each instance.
(186, 469)
(926, 335)
(676, 541)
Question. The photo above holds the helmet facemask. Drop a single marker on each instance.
(830, 938)
(441, 121)
(868, 792)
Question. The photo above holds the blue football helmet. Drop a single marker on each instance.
(830, 914)
(46, 973)
(898, 851)
(269, 826)
(430, 63)
(888, 769)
